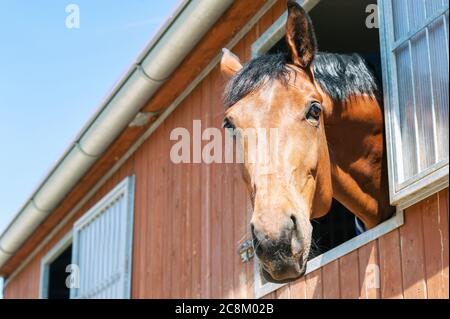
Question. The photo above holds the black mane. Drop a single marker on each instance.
(340, 76)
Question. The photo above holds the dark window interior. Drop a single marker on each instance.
(57, 288)
(333, 229)
(340, 27)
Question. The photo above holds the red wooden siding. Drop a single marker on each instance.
(191, 218)
(413, 261)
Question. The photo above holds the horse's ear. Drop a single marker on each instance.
(300, 36)
(230, 63)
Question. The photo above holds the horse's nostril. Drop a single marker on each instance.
(294, 222)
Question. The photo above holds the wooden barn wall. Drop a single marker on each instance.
(412, 261)
(190, 226)
(191, 218)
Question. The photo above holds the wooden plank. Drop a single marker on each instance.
(145, 249)
(435, 231)
(412, 246)
(330, 280)
(298, 289)
(147, 235)
(157, 228)
(390, 265)
(443, 201)
(443, 209)
(168, 223)
(369, 271)
(185, 211)
(177, 214)
(138, 262)
(284, 292)
(206, 200)
(279, 8)
(196, 225)
(272, 295)
(349, 276)
(314, 288)
(216, 196)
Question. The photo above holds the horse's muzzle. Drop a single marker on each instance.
(283, 259)
(283, 272)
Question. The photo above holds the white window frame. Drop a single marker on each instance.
(435, 177)
(263, 44)
(50, 257)
(125, 188)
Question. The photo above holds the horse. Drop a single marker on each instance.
(327, 109)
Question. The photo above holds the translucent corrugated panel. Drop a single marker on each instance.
(420, 118)
(400, 18)
(416, 13)
(406, 113)
(446, 23)
(433, 6)
(101, 240)
(82, 263)
(424, 100)
(439, 63)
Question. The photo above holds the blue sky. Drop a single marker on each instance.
(53, 78)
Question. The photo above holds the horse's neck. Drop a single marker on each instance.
(354, 132)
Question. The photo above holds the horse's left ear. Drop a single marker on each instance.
(300, 36)
(230, 63)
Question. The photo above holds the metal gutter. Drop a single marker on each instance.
(175, 40)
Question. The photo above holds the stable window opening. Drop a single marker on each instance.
(55, 270)
(57, 275)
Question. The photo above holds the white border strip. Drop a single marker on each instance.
(333, 254)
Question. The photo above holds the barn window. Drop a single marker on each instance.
(415, 54)
(94, 259)
(54, 270)
(102, 244)
(336, 233)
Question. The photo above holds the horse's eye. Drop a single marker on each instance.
(228, 124)
(313, 113)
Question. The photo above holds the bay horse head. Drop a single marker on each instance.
(296, 184)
